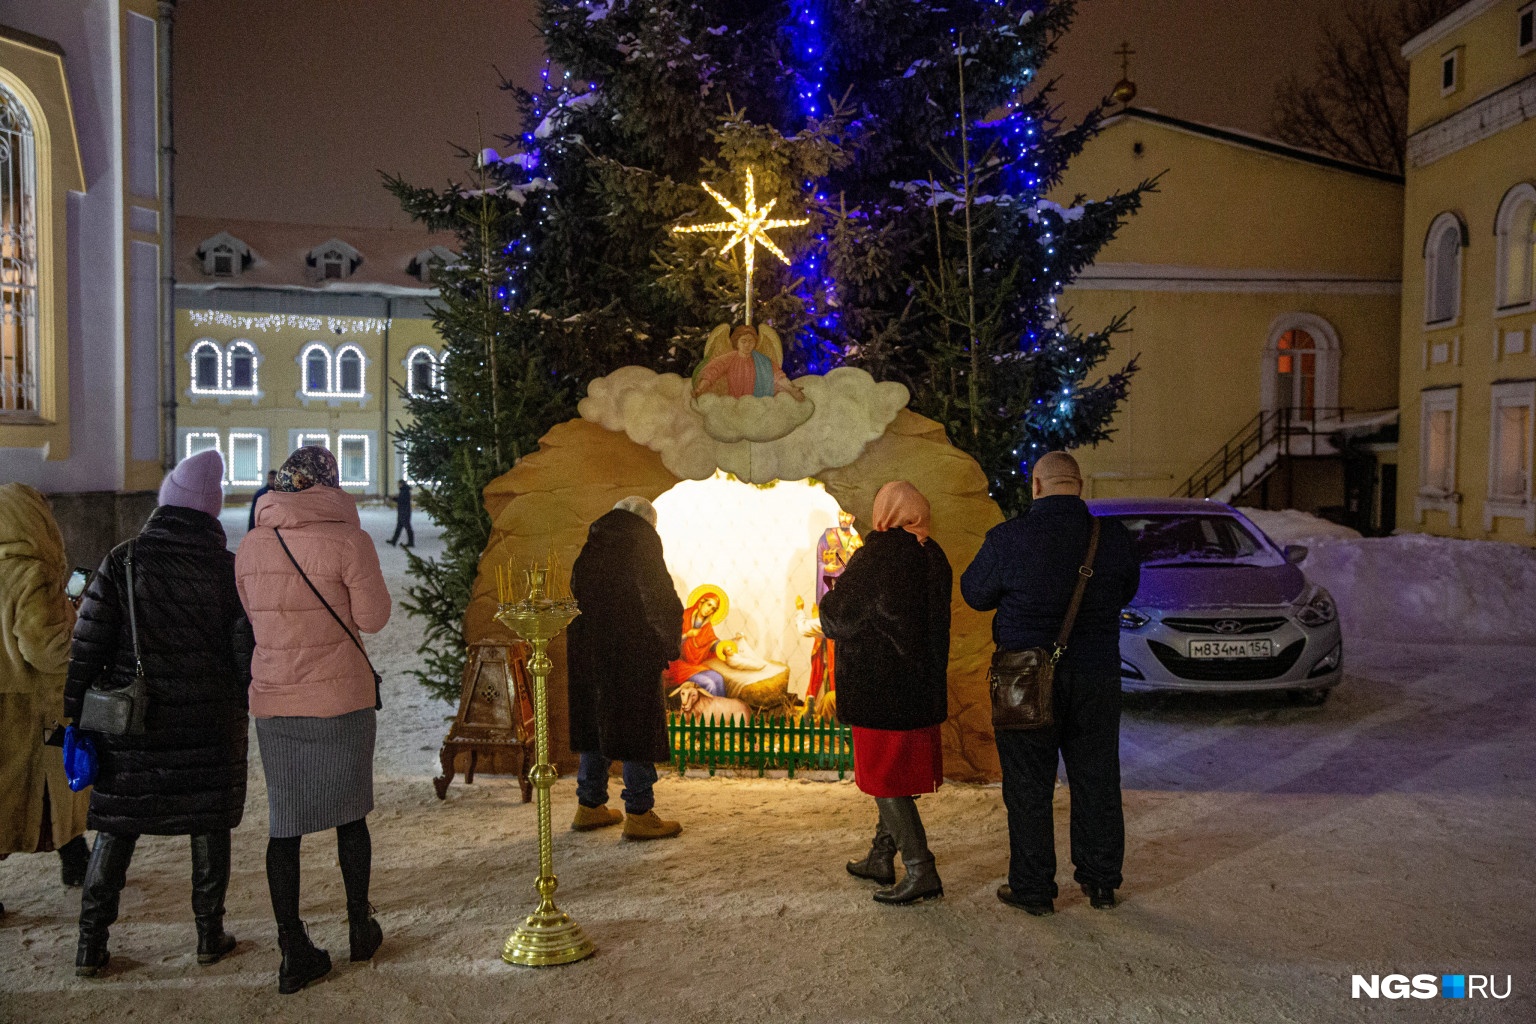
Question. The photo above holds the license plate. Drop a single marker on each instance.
(1231, 648)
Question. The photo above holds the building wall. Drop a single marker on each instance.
(283, 410)
(1456, 167)
(1237, 244)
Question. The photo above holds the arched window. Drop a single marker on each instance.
(1301, 366)
(1442, 269)
(317, 369)
(1516, 229)
(349, 371)
(1296, 370)
(207, 367)
(421, 370)
(242, 367)
(18, 258)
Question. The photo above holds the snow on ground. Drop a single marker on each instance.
(1415, 587)
(1273, 851)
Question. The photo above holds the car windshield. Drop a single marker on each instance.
(1172, 540)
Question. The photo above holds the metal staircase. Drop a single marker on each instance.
(1258, 449)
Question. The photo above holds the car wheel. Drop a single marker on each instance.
(1311, 697)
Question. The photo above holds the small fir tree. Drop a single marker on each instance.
(914, 138)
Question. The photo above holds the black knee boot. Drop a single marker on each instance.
(210, 878)
(921, 881)
(105, 876)
(74, 858)
(879, 865)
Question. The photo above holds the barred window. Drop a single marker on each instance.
(18, 258)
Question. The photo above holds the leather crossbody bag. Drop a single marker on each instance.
(378, 680)
(1023, 682)
(119, 711)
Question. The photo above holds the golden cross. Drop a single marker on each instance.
(749, 226)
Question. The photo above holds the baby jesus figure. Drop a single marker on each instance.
(736, 364)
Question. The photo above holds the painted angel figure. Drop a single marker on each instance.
(746, 362)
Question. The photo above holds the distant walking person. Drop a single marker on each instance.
(38, 812)
(403, 516)
(310, 580)
(185, 775)
(889, 615)
(263, 489)
(628, 631)
(1027, 570)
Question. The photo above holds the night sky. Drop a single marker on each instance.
(286, 109)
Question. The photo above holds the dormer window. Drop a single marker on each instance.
(422, 263)
(334, 260)
(224, 255)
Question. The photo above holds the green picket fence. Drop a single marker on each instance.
(761, 743)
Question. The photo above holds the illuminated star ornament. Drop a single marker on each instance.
(749, 226)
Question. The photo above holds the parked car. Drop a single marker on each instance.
(1221, 607)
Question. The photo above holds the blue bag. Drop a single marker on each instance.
(79, 759)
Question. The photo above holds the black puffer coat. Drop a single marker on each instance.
(630, 627)
(186, 773)
(889, 614)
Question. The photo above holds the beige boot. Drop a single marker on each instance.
(649, 826)
(589, 818)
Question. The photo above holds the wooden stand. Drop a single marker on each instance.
(495, 716)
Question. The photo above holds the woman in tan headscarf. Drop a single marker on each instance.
(889, 614)
(37, 810)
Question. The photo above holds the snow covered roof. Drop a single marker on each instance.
(283, 255)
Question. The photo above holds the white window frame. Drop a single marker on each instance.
(1525, 17)
(225, 253)
(1453, 58)
(1511, 394)
(362, 372)
(330, 370)
(367, 439)
(1438, 228)
(225, 390)
(263, 458)
(410, 374)
(333, 259)
(19, 281)
(200, 346)
(229, 370)
(1430, 498)
(223, 244)
(191, 434)
(300, 438)
(403, 469)
(1504, 234)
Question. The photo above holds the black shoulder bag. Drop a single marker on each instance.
(378, 700)
(1023, 682)
(119, 711)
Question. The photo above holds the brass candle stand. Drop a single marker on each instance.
(548, 936)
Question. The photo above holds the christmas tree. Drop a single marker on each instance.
(913, 139)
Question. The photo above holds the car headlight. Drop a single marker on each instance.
(1130, 618)
(1318, 609)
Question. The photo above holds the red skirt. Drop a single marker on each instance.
(897, 762)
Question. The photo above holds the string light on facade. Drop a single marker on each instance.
(280, 321)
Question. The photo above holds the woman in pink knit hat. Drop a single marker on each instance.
(310, 580)
(184, 775)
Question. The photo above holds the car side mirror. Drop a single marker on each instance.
(1295, 553)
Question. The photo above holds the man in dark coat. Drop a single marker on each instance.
(250, 522)
(1026, 571)
(629, 629)
(403, 516)
(185, 774)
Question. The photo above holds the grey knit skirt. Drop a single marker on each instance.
(319, 771)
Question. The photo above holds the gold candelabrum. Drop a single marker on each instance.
(548, 936)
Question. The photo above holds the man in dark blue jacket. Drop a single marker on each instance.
(1026, 571)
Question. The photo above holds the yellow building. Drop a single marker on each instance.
(288, 335)
(1469, 284)
(84, 298)
(1264, 287)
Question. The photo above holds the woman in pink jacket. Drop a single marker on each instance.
(310, 581)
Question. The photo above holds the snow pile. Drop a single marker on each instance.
(656, 410)
(1289, 526)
